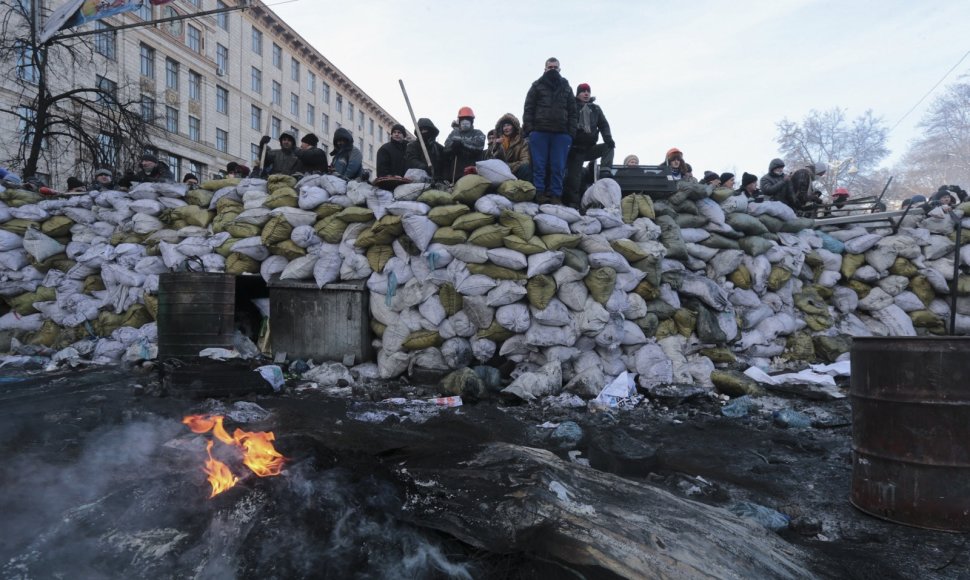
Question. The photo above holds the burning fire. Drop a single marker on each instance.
(258, 453)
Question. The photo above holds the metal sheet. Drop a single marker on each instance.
(195, 311)
(320, 324)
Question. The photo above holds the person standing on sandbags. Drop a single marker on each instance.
(414, 155)
(807, 194)
(776, 184)
(464, 146)
(390, 156)
(675, 166)
(150, 171)
(348, 161)
(590, 123)
(313, 160)
(280, 161)
(511, 147)
(549, 123)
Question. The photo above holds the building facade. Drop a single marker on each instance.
(210, 87)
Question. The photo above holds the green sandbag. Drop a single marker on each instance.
(199, 197)
(686, 220)
(721, 194)
(354, 215)
(666, 329)
(716, 240)
(903, 267)
(533, 245)
(809, 302)
(708, 330)
(540, 290)
(330, 229)
(328, 209)
(471, 221)
(735, 384)
(629, 250)
(778, 278)
(648, 324)
(719, 355)
(449, 236)
(435, 197)
(278, 229)
(240, 230)
(280, 181)
(798, 224)
(647, 290)
(490, 236)
(519, 224)
(288, 249)
(921, 286)
(517, 190)
(741, 278)
(217, 184)
(240, 264)
(600, 283)
(57, 226)
(377, 257)
(747, 224)
(651, 267)
(635, 206)
(773, 224)
(829, 348)
(451, 300)
(663, 310)
(561, 241)
(496, 333)
(799, 346)
(226, 247)
(671, 238)
(851, 263)
(928, 320)
(686, 321)
(464, 383)
(469, 188)
(445, 215)
(575, 259)
(496, 272)
(422, 339)
(862, 289)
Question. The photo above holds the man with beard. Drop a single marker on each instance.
(590, 123)
(414, 155)
(549, 123)
(282, 160)
(390, 157)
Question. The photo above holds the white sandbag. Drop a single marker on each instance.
(483, 349)
(251, 247)
(554, 314)
(254, 198)
(508, 258)
(694, 235)
(938, 247)
(513, 317)
(493, 204)
(294, 216)
(726, 262)
(550, 224)
(533, 385)
(494, 170)
(881, 257)
(14, 321)
(409, 191)
(355, 267)
(706, 290)
(632, 334)
(908, 302)
(604, 193)
(592, 318)
(653, 366)
(30, 212)
(564, 212)
(828, 279)
(271, 266)
(10, 241)
(775, 209)
(862, 244)
(146, 206)
(479, 312)
(299, 269)
(40, 245)
(544, 263)
(586, 225)
(457, 352)
(475, 285)
(621, 232)
(210, 263)
(897, 322)
(609, 260)
(866, 274)
(627, 281)
(542, 335)
(305, 236)
(506, 292)
(310, 198)
(876, 299)
(256, 216)
(391, 364)
(420, 229)
(711, 210)
(406, 208)
(703, 253)
(893, 284)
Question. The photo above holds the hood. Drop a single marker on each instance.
(508, 117)
(775, 164)
(424, 122)
(343, 133)
(289, 134)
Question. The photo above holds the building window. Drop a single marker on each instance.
(276, 127)
(360, 121)
(295, 69)
(257, 81)
(370, 123)
(311, 82)
(171, 74)
(147, 56)
(277, 56)
(350, 112)
(340, 103)
(254, 152)
(195, 85)
(255, 117)
(222, 100)
(311, 114)
(26, 123)
(197, 169)
(174, 164)
(147, 109)
(370, 152)
(145, 12)
(257, 41)
(325, 124)
(106, 43)
(108, 146)
(222, 58)
(108, 91)
(222, 19)
(171, 119)
(325, 92)
(194, 38)
(277, 98)
(295, 105)
(195, 128)
(380, 134)
(222, 140)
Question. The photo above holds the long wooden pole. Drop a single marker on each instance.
(417, 130)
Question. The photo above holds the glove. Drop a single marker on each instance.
(266, 139)
(610, 142)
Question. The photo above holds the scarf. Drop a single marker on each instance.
(584, 119)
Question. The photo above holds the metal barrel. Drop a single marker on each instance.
(911, 430)
(195, 311)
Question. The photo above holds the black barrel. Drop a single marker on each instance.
(195, 311)
(911, 430)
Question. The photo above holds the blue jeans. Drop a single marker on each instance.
(549, 151)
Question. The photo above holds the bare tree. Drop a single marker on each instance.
(941, 155)
(61, 113)
(853, 149)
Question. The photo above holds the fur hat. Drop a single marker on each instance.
(103, 172)
(747, 178)
(310, 139)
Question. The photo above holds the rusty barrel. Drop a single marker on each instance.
(195, 311)
(911, 430)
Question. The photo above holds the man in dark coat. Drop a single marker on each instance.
(806, 193)
(390, 157)
(549, 123)
(282, 160)
(313, 160)
(776, 184)
(149, 171)
(348, 161)
(749, 187)
(590, 123)
(414, 155)
(464, 146)
(104, 180)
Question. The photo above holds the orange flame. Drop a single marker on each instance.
(258, 453)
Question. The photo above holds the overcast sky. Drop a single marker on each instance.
(709, 77)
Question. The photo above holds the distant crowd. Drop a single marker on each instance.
(556, 146)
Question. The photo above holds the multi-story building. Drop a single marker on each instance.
(212, 86)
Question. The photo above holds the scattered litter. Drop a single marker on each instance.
(273, 375)
(219, 354)
(767, 517)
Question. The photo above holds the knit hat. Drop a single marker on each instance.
(399, 127)
(189, 176)
(149, 157)
(725, 177)
(583, 87)
(310, 139)
(103, 172)
(629, 158)
(709, 176)
(74, 182)
(747, 178)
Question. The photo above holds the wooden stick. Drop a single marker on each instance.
(417, 130)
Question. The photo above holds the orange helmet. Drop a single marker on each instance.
(841, 192)
(466, 112)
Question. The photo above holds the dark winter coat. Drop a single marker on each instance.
(597, 124)
(515, 153)
(390, 159)
(801, 186)
(462, 149)
(776, 187)
(550, 106)
(160, 174)
(313, 160)
(414, 156)
(348, 161)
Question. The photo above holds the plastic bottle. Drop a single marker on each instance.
(791, 419)
(738, 407)
(767, 517)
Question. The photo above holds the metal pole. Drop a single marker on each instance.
(417, 130)
(956, 277)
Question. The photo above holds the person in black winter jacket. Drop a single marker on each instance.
(590, 123)
(414, 155)
(390, 157)
(282, 160)
(348, 161)
(776, 184)
(464, 146)
(549, 123)
(150, 171)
